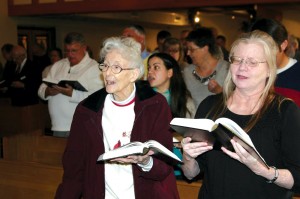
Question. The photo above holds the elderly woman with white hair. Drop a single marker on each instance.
(125, 110)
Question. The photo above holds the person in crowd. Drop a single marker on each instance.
(221, 41)
(271, 121)
(139, 34)
(26, 79)
(160, 39)
(182, 37)
(293, 46)
(77, 65)
(40, 56)
(297, 53)
(207, 73)
(125, 110)
(9, 68)
(165, 77)
(173, 47)
(288, 69)
(55, 55)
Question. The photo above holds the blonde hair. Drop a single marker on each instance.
(270, 50)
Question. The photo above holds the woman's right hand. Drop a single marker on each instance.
(193, 149)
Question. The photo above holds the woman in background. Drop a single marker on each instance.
(165, 77)
(173, 47)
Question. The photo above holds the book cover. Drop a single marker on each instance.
(218, 133)
(73, 83)
(139, 148)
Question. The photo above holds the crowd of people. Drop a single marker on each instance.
(133, 94)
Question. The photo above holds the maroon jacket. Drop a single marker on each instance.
(84, 176)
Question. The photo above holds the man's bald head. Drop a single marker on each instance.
(19, 54)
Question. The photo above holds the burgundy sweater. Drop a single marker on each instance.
(84, 176)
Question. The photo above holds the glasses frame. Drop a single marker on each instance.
(112, 69)
(246, 61)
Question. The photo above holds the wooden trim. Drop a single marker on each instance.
(96, 6)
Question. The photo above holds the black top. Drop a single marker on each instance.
(276, 136)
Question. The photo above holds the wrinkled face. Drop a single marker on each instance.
(158, 75)
(174, 51)
(121, 84)
(251, 73)
(75, 52)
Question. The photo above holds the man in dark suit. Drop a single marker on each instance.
(26, 81)
(9, 69)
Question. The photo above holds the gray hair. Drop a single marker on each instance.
(74, 37)
(128, 48)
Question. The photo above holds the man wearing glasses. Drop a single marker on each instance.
(63, 99)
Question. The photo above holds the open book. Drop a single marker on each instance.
(138, 148)
(219, 132)
(73, 83)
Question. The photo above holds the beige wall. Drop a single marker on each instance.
(8, 31)
(96, 30)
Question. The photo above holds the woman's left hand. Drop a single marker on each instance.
(244, 157)
(135, 159)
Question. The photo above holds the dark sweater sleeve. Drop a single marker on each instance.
(290, 146)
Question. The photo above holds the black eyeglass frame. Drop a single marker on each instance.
(106, 66)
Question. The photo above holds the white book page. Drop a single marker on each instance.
(158, 146)
(121, 152)
(237, 130)
(205, 124)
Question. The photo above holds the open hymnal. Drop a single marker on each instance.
(138, 148)
(220, 131)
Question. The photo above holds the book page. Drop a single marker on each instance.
(137, 148)
(157, 147)
(123, 151)
(236, 129)
(199, 130)
(131, 144)
(204, 124)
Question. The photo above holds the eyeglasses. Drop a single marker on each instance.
(248, 61)
(192, 49)
(116, 69)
